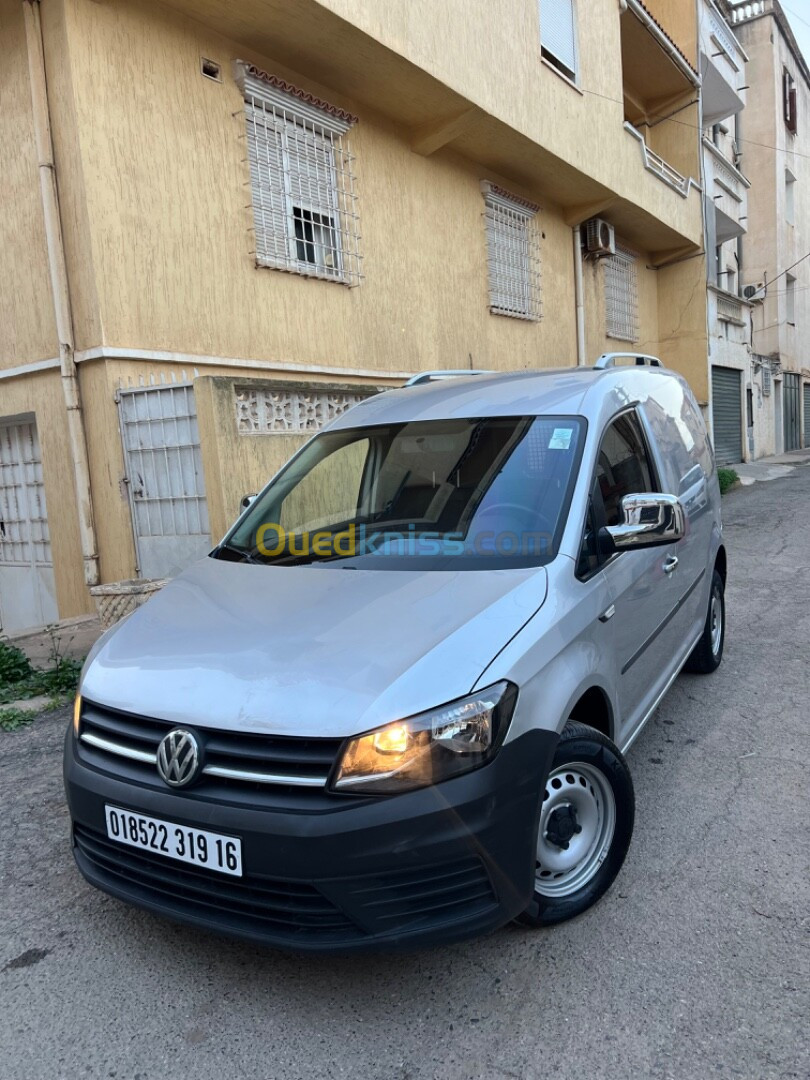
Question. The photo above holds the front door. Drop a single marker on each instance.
(27, 592)
(640, 586)
(165, 478)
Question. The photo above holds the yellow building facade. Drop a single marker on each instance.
(200, 363)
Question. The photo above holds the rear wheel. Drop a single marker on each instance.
(708, 653)
(586, 822)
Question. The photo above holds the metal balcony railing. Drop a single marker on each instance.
(656, 164)
(730, 309)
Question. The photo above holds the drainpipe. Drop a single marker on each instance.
(579, 296)
(59, 287)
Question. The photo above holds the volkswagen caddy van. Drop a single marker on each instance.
(391, 707)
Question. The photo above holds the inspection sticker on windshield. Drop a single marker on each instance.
(561, 439)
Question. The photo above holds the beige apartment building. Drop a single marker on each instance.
(775, 274)
(222, 223)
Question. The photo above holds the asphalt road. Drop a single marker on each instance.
(696, 963)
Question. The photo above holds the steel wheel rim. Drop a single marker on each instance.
(716, 623)
(579, 785)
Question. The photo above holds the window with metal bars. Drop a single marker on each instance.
(24, 535)
(305, 216)
(513, 254)
(621, 295)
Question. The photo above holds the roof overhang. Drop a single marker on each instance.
(656, 78)
(636, 13)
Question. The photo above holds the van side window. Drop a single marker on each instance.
(679, 437)
(623, 466)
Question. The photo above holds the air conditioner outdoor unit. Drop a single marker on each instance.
(757, 291)
(600, 237)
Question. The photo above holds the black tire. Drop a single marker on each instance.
(707, 655)
(602, 768)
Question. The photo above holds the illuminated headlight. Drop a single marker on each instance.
(77, 713)
(427, 748)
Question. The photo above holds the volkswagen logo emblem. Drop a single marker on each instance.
(178, 757)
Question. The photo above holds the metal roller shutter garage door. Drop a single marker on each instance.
(727, 415)
(791, 397)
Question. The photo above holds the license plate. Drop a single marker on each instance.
(214, 851)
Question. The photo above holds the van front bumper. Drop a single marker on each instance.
(423, 868)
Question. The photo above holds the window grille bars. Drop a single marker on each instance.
(513, 254)
(305, 213)
(621, 295)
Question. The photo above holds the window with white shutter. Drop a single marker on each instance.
(302, 188)
(513, 254)
(621, 295)
(558, 36)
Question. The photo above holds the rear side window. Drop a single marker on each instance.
(680, 436)
(623, 466)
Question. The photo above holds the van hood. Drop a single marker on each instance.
(308, 650)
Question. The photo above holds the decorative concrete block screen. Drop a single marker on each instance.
(288, 412)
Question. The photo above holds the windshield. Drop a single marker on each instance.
(431, 494)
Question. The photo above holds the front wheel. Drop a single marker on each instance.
(586, 822)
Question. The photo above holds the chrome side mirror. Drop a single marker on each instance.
(648, 520)
(247, 500)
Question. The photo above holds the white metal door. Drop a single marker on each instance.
(27, 592)
(165, 477)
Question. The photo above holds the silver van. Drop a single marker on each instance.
(390, 708)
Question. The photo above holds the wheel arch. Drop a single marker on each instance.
(572, 683)
(594, 709)
(721, 563)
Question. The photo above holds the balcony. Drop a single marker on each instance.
(741, 12)
(659, 83)
(654, 163)
(730, 308)
(722, 67)
(726, 194)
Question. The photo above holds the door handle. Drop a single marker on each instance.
(608, 613)
(670, 563)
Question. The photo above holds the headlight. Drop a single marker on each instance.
(77, 713)
(427, 748)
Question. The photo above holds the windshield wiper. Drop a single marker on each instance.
(243, 553)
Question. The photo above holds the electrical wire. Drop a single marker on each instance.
(795, 14)
(804, 258)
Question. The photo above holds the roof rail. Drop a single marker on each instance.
(436, 376)
(608, 360)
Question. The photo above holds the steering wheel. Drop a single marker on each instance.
(532, 522)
